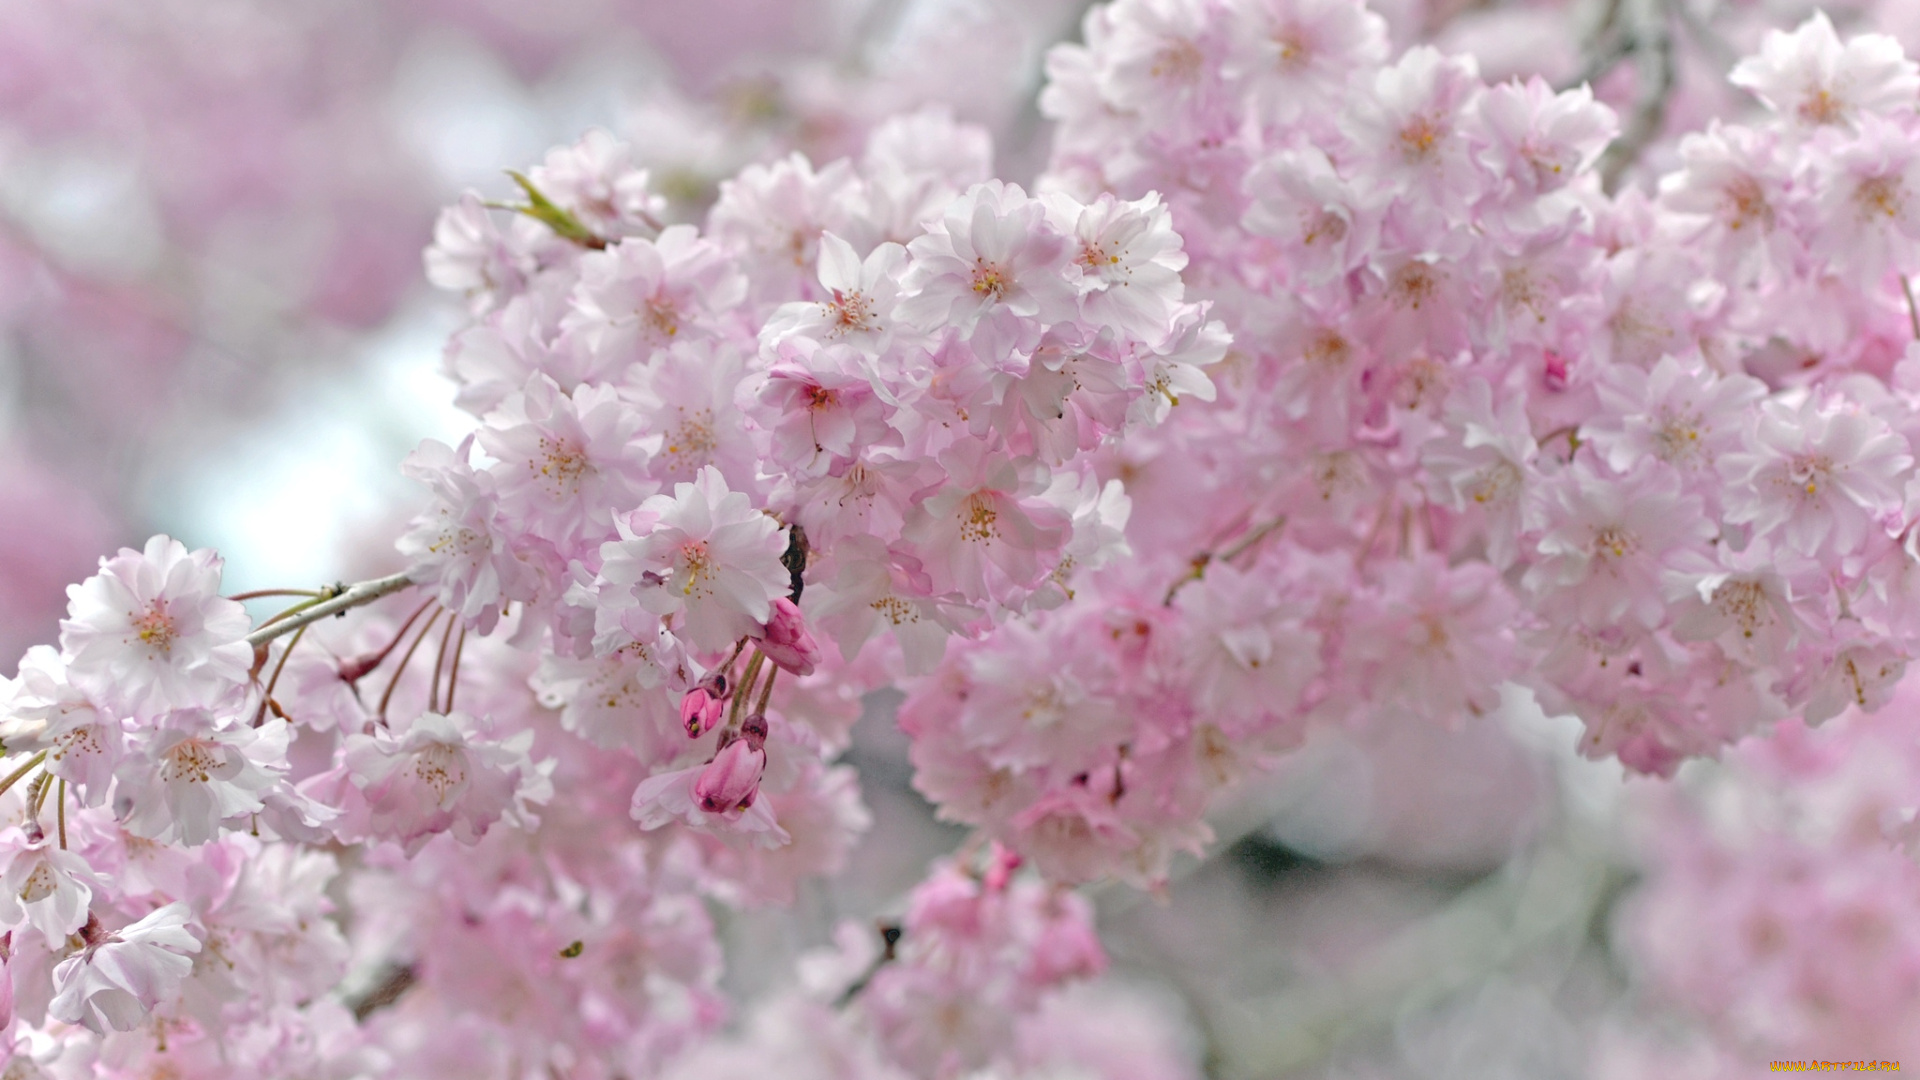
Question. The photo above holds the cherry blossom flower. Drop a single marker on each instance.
(702, 555)
(1129, 260)
(1295, 53)
(150, 632)
(43, 710)
(1678, 413)
(1606, 540)
(45, 887)
(731, 781)
(873, 588)
(1540, 141)
(182, 780)
(860, 297)
(598, 181)
(565, 459)
(994, 255)
(1812, 77)
(1411, 131)
(1821, 474)
(470, 255)
(460, 547)
(443, 773)
(641, 295)
(117, 979)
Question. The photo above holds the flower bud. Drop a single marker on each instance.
(788, 642)
(732, 779)
(704, 705)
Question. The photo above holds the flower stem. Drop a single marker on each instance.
(260, 714)
(439, 663)
(453, 676)
(745, 688)
(766, 691)
(405, 658)
(14, 776)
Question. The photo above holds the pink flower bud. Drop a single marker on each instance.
(787, 642)
(703, 706)
(1555, 376)
(732, 779)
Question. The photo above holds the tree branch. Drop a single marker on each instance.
(364, 592)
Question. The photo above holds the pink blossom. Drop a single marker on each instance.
(1822, 474)
(1814, 79)
(1249, 650)
(859, 298)
(598, 181)
(986, 533)
(121, 976)
(565, 459)
(150, 631)
(442, 772)
(642, 295)
(670, 796)
(703, 556)
(823, 409)
(1411, 126)
(1129, 260)
(181, 781)
(1679, 413)
(43, 710)
(1325, 224)
(702, 707)
(1869, 203)
(470, 255)
(459, 547)
(44, 886)
(1296, 53)
(1606, 540)
(994, 257)
(874, 588)
(1539, 141)
(777, 213)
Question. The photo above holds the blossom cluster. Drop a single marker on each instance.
(1649, 453)
(1309, 386)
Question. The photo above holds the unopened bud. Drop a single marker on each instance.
(787, 642)
(732, 779)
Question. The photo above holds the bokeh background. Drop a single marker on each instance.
(214, 323)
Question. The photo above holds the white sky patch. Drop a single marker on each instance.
(286, 498)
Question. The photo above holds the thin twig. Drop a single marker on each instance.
(1913, 313)
(397, 981)
(60, 813)
(364, 592)
(439, 663)
(259, 594)
(1233, 551)
(453, 677)
(260, 714)
(363, 666)
(405, 658)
